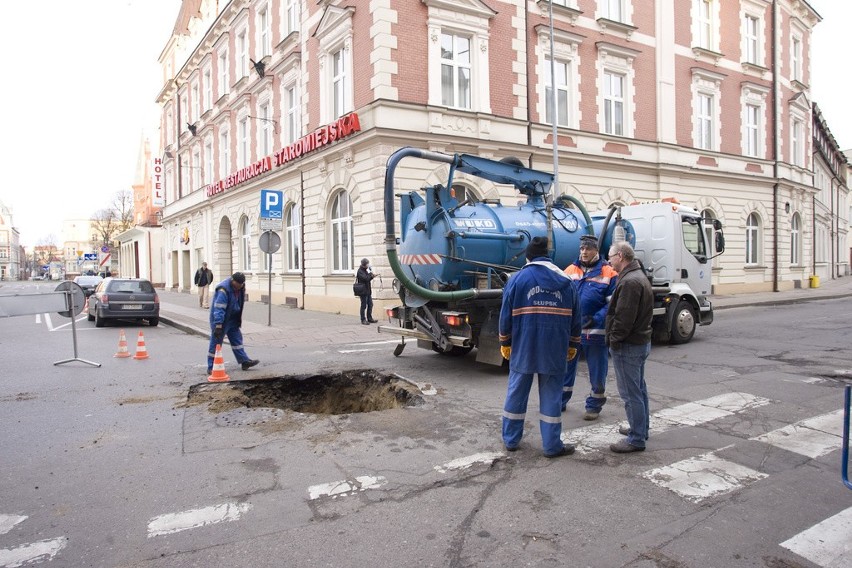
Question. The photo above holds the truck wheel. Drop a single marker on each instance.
(683, 323)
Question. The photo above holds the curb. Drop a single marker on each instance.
(780, 301)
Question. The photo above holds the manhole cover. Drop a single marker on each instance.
(345, 392)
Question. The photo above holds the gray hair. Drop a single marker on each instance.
(624, 248)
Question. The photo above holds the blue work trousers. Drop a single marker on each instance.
(629, 364)
(235, 338)
(515, 410)
(596, 357)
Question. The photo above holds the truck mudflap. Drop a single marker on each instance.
(705, 312)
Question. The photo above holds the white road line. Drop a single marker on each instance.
(41, 551)
(700, 477)
(356, 350)
(694, 413)
(79, 319)
(176, 522)
(345, 487)
(7, 522)
(466, 462)
(813, 437)
(828, 543)
(38, 319)
(49, 322)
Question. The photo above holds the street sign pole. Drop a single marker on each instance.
(270, 242)
(269, 282)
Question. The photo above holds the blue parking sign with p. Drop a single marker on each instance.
(271, 204)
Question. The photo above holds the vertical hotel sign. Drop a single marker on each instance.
(322, 136)
(158, 195)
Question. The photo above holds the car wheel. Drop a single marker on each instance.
(153, 322)
(99, 321)
(89, 316)
(683, 323)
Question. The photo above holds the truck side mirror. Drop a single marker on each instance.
(720, 242)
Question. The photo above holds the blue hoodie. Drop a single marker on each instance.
(540, 318)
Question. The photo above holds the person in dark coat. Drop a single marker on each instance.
(226, 318)
(365, 276)
(203, 279)
(539, 332)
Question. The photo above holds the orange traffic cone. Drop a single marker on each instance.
(122, 346)
(141, 352)
(219, 375)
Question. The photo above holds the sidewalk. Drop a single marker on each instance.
(291, 326)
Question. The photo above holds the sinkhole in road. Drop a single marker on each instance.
(343, 392)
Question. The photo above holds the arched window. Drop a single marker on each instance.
(796, 240)
(294, 238)
(341, 233)
(245, 244)
(752, 241)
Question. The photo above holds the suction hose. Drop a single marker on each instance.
(390, 233)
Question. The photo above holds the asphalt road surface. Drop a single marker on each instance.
(142, 463)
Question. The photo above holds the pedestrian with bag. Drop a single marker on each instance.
(595, 279)
(203, 279)
(226, 318)
(628, 335)
(364, 289)
(539, 332)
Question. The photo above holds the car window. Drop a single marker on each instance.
(131, 287)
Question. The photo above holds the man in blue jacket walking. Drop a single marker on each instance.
(539, 333)
(226, 317)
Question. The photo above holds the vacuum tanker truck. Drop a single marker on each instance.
(453, 257)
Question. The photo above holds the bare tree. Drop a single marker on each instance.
(105, 225)
(122, 204)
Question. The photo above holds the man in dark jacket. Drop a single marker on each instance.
(203, 279)
(365, 276)
(628, 334)
(226, 317)
(539, 332)
(595, 280)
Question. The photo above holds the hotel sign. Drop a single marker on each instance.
(322, 136)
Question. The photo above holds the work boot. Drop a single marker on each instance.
(623, 447)
(591, 415)
(249, 364)
(566, 450)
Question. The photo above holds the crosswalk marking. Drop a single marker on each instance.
(185, 520)
(345, 487)
(7, 522)
(466, 462)
(827, 543)
(591, 438)
(813, 437)
(700, 477)
(43, 550)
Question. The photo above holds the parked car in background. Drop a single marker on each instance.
(88, 283)
(124, 299)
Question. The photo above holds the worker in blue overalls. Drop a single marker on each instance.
(226, 318)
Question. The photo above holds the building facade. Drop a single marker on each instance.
(703, 100)
(11, 259)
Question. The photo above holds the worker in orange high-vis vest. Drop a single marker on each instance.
(595, 280)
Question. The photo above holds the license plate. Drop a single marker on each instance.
(131, 307)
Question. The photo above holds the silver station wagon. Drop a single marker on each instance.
(124, 299)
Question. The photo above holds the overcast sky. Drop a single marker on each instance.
(80, 89)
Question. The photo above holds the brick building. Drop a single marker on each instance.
(704, 100)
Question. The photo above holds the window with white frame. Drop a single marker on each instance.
(245, 243)
(208, 160)
(797, 142)
(706, 108)
(292, 17)
(752, 241)
(613, 97)
(796, 59)
(455, 70)
(751, 130)
(294, 237)
(242, 142)
(341, 233)
(751, 39)
(795, 240)
(184, 112)
(222, 67)
(291, 97)
(335, 35)
(458, 55)
(194, 102)
(705, 24)
(566, 64)
(208, 90)
(264, 32)
(224, 152)
(196, 169)
(242, 54)
(562, 72)
(265, 129)
(613, 10)
(340, 82)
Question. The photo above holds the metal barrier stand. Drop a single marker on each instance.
(71, 304)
